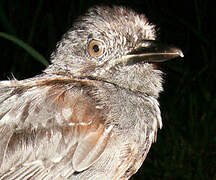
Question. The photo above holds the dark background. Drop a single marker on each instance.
(186, 146)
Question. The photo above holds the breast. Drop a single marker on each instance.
(135, 118)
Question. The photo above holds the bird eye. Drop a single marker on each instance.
(95, 48)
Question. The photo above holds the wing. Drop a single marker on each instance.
(49, 129)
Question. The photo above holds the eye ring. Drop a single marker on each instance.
(95, 48)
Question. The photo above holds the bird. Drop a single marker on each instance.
(93, 113)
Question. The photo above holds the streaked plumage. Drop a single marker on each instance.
(86, 116)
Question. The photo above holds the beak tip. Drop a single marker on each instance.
(179, 53)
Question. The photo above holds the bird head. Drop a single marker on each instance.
(115, 45)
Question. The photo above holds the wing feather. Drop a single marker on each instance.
(5, 135)
(90, 148)
(53, 122)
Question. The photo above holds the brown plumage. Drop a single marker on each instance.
(93, 113)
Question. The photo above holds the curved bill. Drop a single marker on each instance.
(153, 52)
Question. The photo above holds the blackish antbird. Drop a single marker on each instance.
(93, 113)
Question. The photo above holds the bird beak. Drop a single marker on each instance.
(153, 52)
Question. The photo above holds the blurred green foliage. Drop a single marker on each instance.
(25, 46)
(186, 146)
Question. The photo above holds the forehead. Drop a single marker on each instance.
(117, 21)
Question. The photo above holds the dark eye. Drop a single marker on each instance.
(95, 48)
